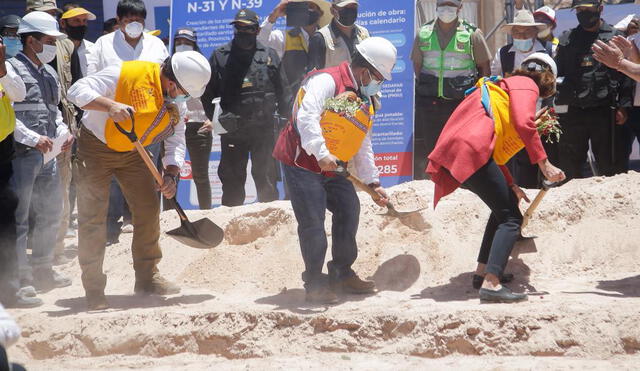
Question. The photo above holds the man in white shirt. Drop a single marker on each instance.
(308, 166)
(128, 42)
(524, 31)
(292, 46)
(38, 122)
(150, 91)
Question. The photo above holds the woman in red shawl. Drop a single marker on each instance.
(464, 156)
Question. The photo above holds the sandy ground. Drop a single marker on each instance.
(242, 304)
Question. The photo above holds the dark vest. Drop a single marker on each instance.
(508, 58)
(247, 92)
(39, 109)
(295, 58)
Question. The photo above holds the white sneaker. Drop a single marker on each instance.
(128, 228)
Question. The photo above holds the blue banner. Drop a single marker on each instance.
(393, 127)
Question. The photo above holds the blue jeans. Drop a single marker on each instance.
(37, 186)
(311, 195)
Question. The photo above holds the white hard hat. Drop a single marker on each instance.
(544, 58)
(40, 22)
(192, 71)
(548, 12)
(380, 53)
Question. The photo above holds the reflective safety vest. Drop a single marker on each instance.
(452, 70)
(139, 86)
(496, 103)
(7, 115)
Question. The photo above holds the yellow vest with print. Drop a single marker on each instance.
(343, 134)
(497, 104)
(7, 115)
(139, 86)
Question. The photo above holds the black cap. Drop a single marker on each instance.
(591, 3)
(246, 16)
(10, 21)
(186, 33)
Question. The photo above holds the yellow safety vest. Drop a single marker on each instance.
(139, 86)
(343, 134)
(7, 115)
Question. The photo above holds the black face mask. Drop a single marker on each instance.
(76, 33)
(314, 16)
(245, 40)
(588, 19)
(347, 16)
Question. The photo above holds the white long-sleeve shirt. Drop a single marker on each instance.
(9, 330)
(84, 50)
(15, 88)
(275, 39)
(113, 48)
(103, 84)
(496, 65)
(318, 89)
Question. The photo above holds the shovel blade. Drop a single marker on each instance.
(201, 234)
(392, 212)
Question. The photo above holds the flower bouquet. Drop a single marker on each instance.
(347, 103)
(548, 126)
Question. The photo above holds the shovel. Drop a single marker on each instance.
(546, 185)
(201, 234)
(391, 210)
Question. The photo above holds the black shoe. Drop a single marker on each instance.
(321, 295)
(45, 279)
(478, 280)
(504, 295)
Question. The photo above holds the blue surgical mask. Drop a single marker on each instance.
(13, 46)
(181, 98)
(372, 88)
(523, 45)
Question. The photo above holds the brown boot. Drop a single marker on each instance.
(96, 301)
(321, 295)
(355, 285)
(157, 285)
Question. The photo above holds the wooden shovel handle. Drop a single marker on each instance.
(534, 205)
(360, 184)
(149, 162)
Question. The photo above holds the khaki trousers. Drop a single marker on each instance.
(65, 170)
(96, 166)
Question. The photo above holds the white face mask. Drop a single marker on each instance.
(134, 29)
(47, 54)
(544, 34)
(447, 14)
(183, 48)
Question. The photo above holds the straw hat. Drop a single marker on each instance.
(524, 18)
(325, 6)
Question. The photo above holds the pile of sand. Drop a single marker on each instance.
(243, 299)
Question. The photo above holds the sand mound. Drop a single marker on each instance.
(243, 299)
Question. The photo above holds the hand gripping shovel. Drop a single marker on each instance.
(391, 210)
(546, 185)
(201, 234)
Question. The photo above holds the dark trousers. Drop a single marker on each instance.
(9, 279)
(524, 173)
(430, 117)
(311, 195)
(579, 125)
(503, 227)
(232, 171)
(631, 131)
(199, 147)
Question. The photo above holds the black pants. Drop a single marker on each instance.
(9, 281)
(579, 125)
(199, 147)
(257, 141)
(524, 173)
(430, 117)
(631, 131)
(503, 227)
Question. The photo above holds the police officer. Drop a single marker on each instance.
(595, 94)
(449, 54)
(247, 77)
